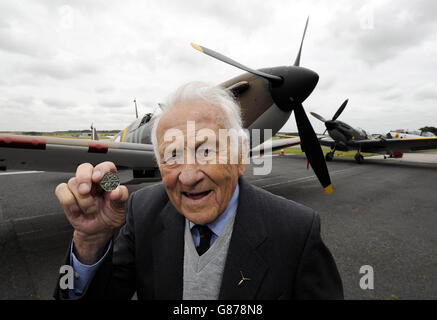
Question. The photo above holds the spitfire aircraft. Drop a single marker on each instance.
(267, 98)
(344, 138)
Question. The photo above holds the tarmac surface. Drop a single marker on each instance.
(383, 213)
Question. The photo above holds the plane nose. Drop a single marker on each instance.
(305, 83)
(297, 85)
(330, 124)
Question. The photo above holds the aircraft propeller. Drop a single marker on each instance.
(318, 116)
(234, 63)
(331, 124)
(340, 110)
(289, 87)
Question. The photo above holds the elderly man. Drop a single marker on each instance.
(204, 232)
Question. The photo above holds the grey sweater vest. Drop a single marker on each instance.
(203, 275)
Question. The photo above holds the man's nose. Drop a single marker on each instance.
(190, 175)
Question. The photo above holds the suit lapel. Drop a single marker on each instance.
(243, 260)
(168, 254)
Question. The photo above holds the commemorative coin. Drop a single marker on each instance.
(110, 181)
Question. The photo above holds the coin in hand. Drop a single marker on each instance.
(110, 181)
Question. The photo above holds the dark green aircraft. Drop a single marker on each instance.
(346, 138)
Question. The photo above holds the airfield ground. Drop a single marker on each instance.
(382, 213)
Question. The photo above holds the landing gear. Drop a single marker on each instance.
(329, 156)
(359, 158)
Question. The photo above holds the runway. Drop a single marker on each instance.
(382, 213)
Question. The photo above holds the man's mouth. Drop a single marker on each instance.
(197, 196)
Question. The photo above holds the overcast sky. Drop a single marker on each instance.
(65, 64)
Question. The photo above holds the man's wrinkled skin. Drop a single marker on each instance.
(94, 216)
(201, 192)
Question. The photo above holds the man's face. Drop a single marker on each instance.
(199, 190)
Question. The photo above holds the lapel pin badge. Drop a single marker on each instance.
(242, 278)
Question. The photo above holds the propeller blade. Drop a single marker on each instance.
(315, 115)
(297, 61)
(227, 60)
(312, 148)
(340, 110)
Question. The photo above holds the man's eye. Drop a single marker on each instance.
(207, 152)
(173, 156)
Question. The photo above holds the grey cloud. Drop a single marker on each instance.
(393, 94)
(377, 87)
(85, 5)
(326, 84)
(24, 99)
(241, 15)
(11, 106)
(143, 56)
(21, 44)
(86, 68)
(379, 33)
(104, 89)
(111, 104)
(60, 71)
(181, 56)
(51, 70)
(161, 57)
(427, 92)
(17, 32)
(14, 45)
(59, 103)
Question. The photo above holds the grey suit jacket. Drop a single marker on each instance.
(275, 242)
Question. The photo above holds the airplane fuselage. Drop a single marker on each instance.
(258, 110)
(343, 134)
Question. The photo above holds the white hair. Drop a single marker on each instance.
(211, 94)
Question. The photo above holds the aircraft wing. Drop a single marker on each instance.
(404, 145)
(59, 154)
(276, 145)
(328, 142)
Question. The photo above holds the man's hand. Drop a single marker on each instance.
(93, 213)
